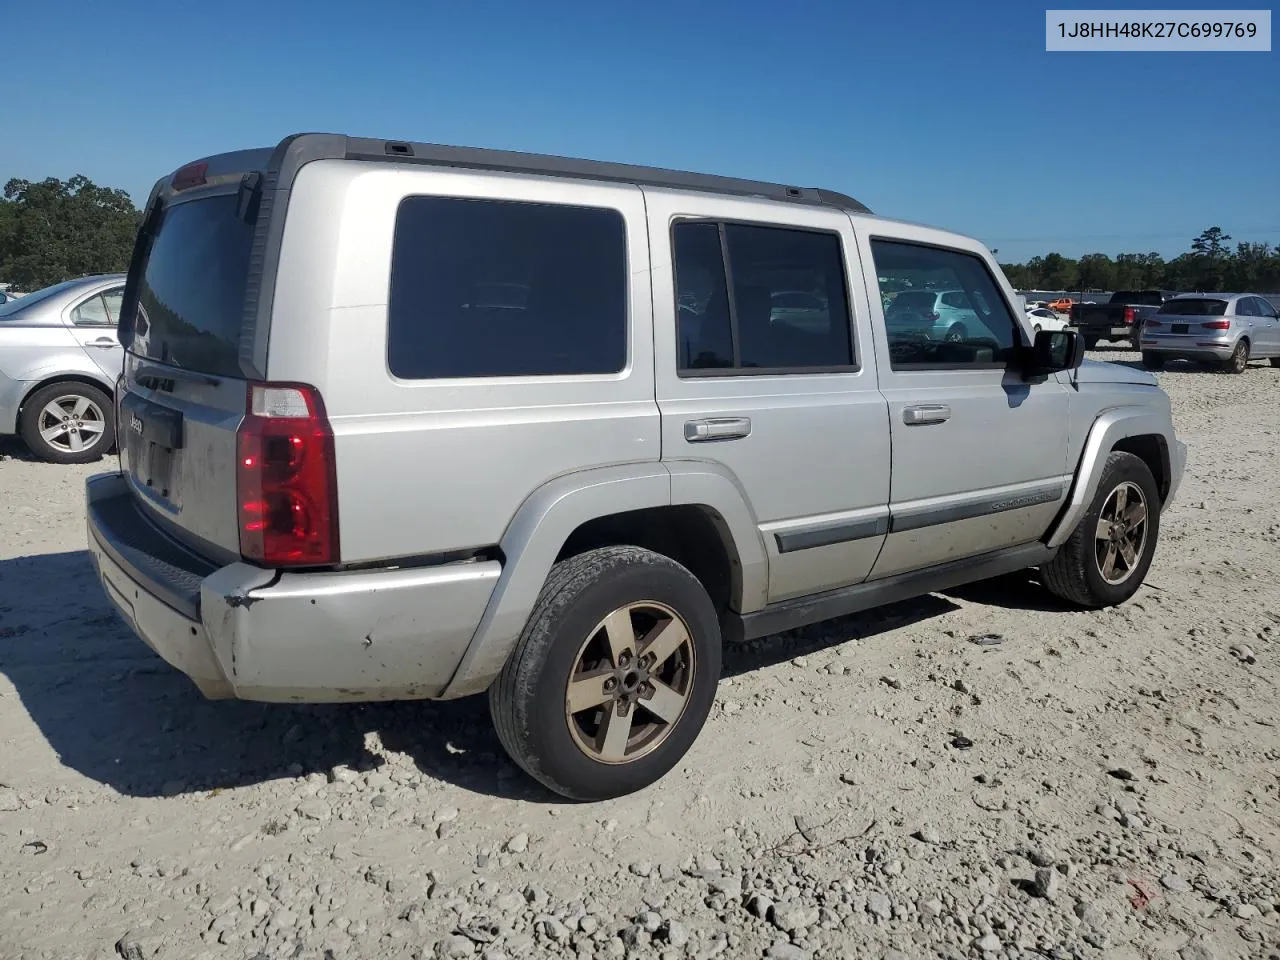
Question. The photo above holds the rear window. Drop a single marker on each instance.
(503, 288)
(1194, 308)
(914, 301)
(192, 289)
(12, 307)
(1141, 298)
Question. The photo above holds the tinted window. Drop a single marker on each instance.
(1145, 298)
(1194, 307)
(704, 330)
(1261, 308)
(495, 288)
(984, 334)
(92, 312)
(789, 308)
(191, 296)
(1245, 307)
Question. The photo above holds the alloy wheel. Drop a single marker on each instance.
(72, 423)
(630, 682)
(1121, 534)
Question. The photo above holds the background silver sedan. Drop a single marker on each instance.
(59, 359)
(1225, 330)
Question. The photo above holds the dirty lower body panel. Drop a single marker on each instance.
(242, 631)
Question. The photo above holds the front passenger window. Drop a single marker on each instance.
(944, 308)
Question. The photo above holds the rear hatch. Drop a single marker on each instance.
(1193, 317)
(188, 328)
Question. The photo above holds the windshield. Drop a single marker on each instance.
(13, 306)
(192, 290)
(1195, 308)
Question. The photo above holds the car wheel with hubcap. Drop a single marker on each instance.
(1238, 362)
(613, 675)
(1107, 556)
(68, 423)
(955, 334)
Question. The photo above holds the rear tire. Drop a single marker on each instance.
(598, 614)
(956, 333)
(1238, 362)
(68, 422)
(1086, 571)
(1091, 343)
(1152, 360)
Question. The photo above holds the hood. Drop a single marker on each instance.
(1101, 371)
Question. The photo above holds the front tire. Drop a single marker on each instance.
(1238, 362)
(613, 677)
(1108, 554)
(68, 423)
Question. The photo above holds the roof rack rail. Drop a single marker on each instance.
(298, 149)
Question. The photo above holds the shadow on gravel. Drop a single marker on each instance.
(745, 657)
(1014, 591)
(118, 714)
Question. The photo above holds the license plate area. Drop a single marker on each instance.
(151, 436)
(1179, 328)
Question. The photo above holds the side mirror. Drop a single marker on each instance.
(1054, 351)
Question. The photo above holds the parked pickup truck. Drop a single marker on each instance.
(405, 421)
(1120, 318)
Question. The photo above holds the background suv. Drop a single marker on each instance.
(1221, 330)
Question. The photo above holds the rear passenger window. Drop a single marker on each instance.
(969, 324)
(499, 288)
(91, 313)
(778, 303)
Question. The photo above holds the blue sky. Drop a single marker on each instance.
(945, 113)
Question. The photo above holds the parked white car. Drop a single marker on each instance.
(1042, 318)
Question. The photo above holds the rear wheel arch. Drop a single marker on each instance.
(693, 535)
(107, 388)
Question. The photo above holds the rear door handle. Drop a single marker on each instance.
(724, 428)
(926, 414)
(102, 342)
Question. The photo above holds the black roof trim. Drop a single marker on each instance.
(296, 150)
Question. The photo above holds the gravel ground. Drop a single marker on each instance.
(977, 774)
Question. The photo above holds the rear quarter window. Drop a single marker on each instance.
(504, 288)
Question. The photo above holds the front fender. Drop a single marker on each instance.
(1108, 429)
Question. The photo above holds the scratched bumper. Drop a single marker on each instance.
(241, 631)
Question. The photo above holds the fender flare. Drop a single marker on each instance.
(1108, 429)
(543, 523)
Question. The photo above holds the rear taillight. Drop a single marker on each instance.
(1128, 315)
(1154, 323)
(1217, 325)
(933, 315)
(286, 478)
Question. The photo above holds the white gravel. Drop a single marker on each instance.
(1065, 785)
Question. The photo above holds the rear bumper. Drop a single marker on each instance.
(242, 631)
(1190, 347)
(1104, 331)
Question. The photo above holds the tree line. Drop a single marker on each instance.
(1211, 265)
(53, 230)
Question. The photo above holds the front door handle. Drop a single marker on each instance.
(102, 342)
(725, 428)
(926, 414)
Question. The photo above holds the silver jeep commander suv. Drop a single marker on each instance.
(400, 420)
